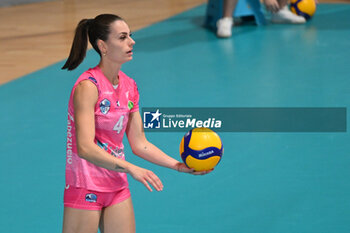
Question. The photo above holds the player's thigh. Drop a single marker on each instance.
(80, 221)
(118, 218)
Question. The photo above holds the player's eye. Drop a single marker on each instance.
(124, 36)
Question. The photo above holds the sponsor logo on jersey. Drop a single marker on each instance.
(120, 106)
(130, 104)
(105, 105)
(93, 79)
(69, 151)
(90, 197)
(117, 152)
(102, 145)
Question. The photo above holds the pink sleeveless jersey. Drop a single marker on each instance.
(111, 118)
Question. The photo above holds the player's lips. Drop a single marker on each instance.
(129, 52)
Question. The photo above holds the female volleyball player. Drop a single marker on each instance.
(103, 106)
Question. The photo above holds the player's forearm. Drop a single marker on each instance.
(154, 155)
(101, 158)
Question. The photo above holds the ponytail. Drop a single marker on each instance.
(79, 46)
(92, 30)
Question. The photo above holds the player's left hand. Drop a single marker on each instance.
(181, 167)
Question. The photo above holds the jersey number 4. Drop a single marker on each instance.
(119, 125)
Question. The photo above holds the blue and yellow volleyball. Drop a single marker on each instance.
(305, 8)
(201, 149)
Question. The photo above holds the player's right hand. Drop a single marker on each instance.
(146, 177)
(272, 5)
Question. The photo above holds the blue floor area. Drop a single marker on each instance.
(266, 182)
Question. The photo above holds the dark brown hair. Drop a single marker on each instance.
(92, 29)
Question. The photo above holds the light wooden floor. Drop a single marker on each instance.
(39, 34)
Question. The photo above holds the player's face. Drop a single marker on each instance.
(119, 44)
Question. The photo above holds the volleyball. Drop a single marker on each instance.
(201, 149)
(305, 8)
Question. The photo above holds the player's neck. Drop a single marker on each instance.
(110, 71)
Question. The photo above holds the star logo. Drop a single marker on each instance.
(151, 119)
(156, 115)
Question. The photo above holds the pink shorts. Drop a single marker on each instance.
(80, 198)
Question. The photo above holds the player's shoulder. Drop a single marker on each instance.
(86, 86)
(89, 76)
(85, 92)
